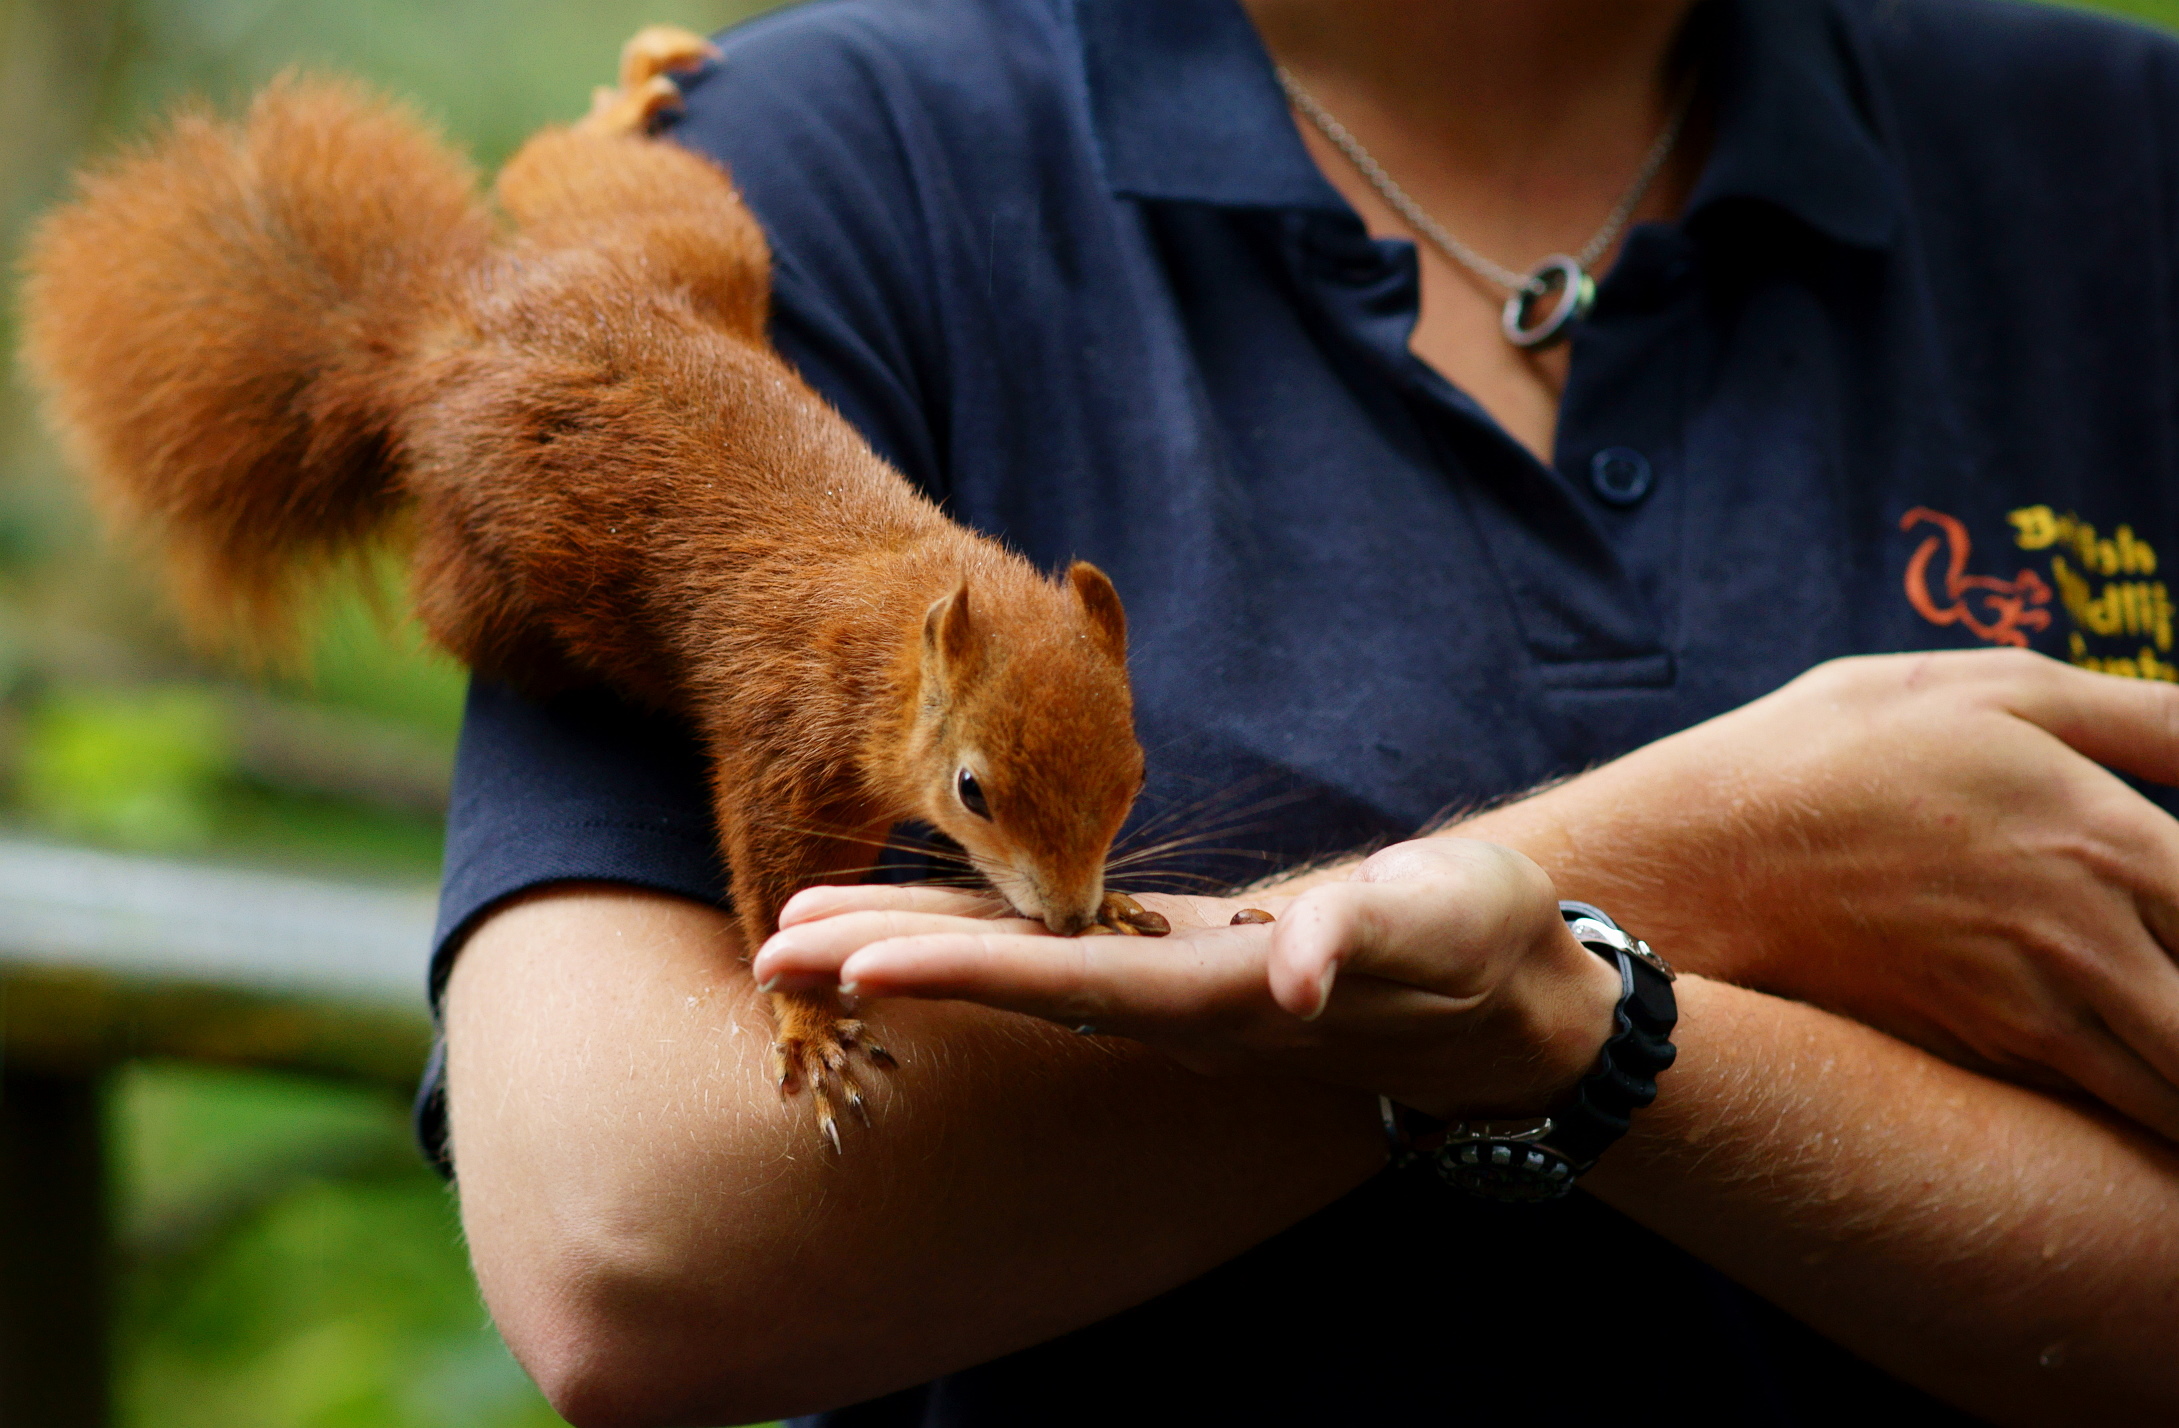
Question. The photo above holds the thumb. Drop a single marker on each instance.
(1433, 913)
(1309, 944)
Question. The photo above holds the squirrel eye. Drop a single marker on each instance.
(972, 796)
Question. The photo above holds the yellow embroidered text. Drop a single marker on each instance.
(2122, 607)
(2144, 666)
(2121, 553)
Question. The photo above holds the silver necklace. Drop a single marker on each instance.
(1565, 277)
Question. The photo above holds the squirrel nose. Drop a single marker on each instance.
(1064, 909)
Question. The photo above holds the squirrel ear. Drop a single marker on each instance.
(1107, 617)
(948, 636)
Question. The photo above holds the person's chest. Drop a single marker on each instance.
(1350, 592)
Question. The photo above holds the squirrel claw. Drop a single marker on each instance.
(814, 1049)
(828, 1124)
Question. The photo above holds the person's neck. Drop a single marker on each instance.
(1537, 99)
(1517, 125)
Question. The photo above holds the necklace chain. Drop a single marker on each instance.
(1343, 139)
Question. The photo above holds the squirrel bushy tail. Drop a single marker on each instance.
(217, 321)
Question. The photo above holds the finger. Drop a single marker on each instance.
(2129, 724)
(830, 900)
(809, 954)
(2114, 1074)
(2135, 992)
(1121, 984)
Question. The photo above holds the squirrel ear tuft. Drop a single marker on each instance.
(1107, 617)
(949, 637)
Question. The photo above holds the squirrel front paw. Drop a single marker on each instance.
(813, 1045)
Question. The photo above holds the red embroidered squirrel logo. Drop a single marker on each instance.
(2000, 611)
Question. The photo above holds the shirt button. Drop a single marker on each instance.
(1620, 475)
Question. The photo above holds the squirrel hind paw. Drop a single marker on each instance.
(648, 63)
(658, 50)
(814, 1050)
(616, 113)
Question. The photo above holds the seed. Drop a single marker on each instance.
(1130, 918)
(1147, 923)
(1249, 916)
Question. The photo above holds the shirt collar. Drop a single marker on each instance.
(1792, 130)
(1186, 108)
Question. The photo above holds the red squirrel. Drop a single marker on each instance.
(269, 342)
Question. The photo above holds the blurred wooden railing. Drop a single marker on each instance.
(105, 957)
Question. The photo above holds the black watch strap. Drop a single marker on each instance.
(1624, 1079)
(1540, 1159)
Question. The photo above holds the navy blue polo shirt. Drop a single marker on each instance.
(1901, 377)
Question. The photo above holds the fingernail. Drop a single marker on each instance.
(848, 989)
(769, 984)
(1323, 990)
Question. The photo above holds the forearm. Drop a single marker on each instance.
(2014, 1254)
(663, 1240)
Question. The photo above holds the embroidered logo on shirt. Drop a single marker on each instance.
(2000, 611)
(2101, 582)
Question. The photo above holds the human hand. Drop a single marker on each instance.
(1438, 973)
(1925, 843)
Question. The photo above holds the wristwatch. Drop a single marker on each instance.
(1540, 1159)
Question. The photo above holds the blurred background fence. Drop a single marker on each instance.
(215, 890)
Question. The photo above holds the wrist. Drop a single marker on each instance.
(1540, 1158)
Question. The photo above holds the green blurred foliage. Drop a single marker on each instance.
(154, 769)
(291, 1264)
(2156, 12)
(138, 770)
(490, 71)
(367, 656)
(277, 827)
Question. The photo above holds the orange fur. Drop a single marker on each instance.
(265, 339)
